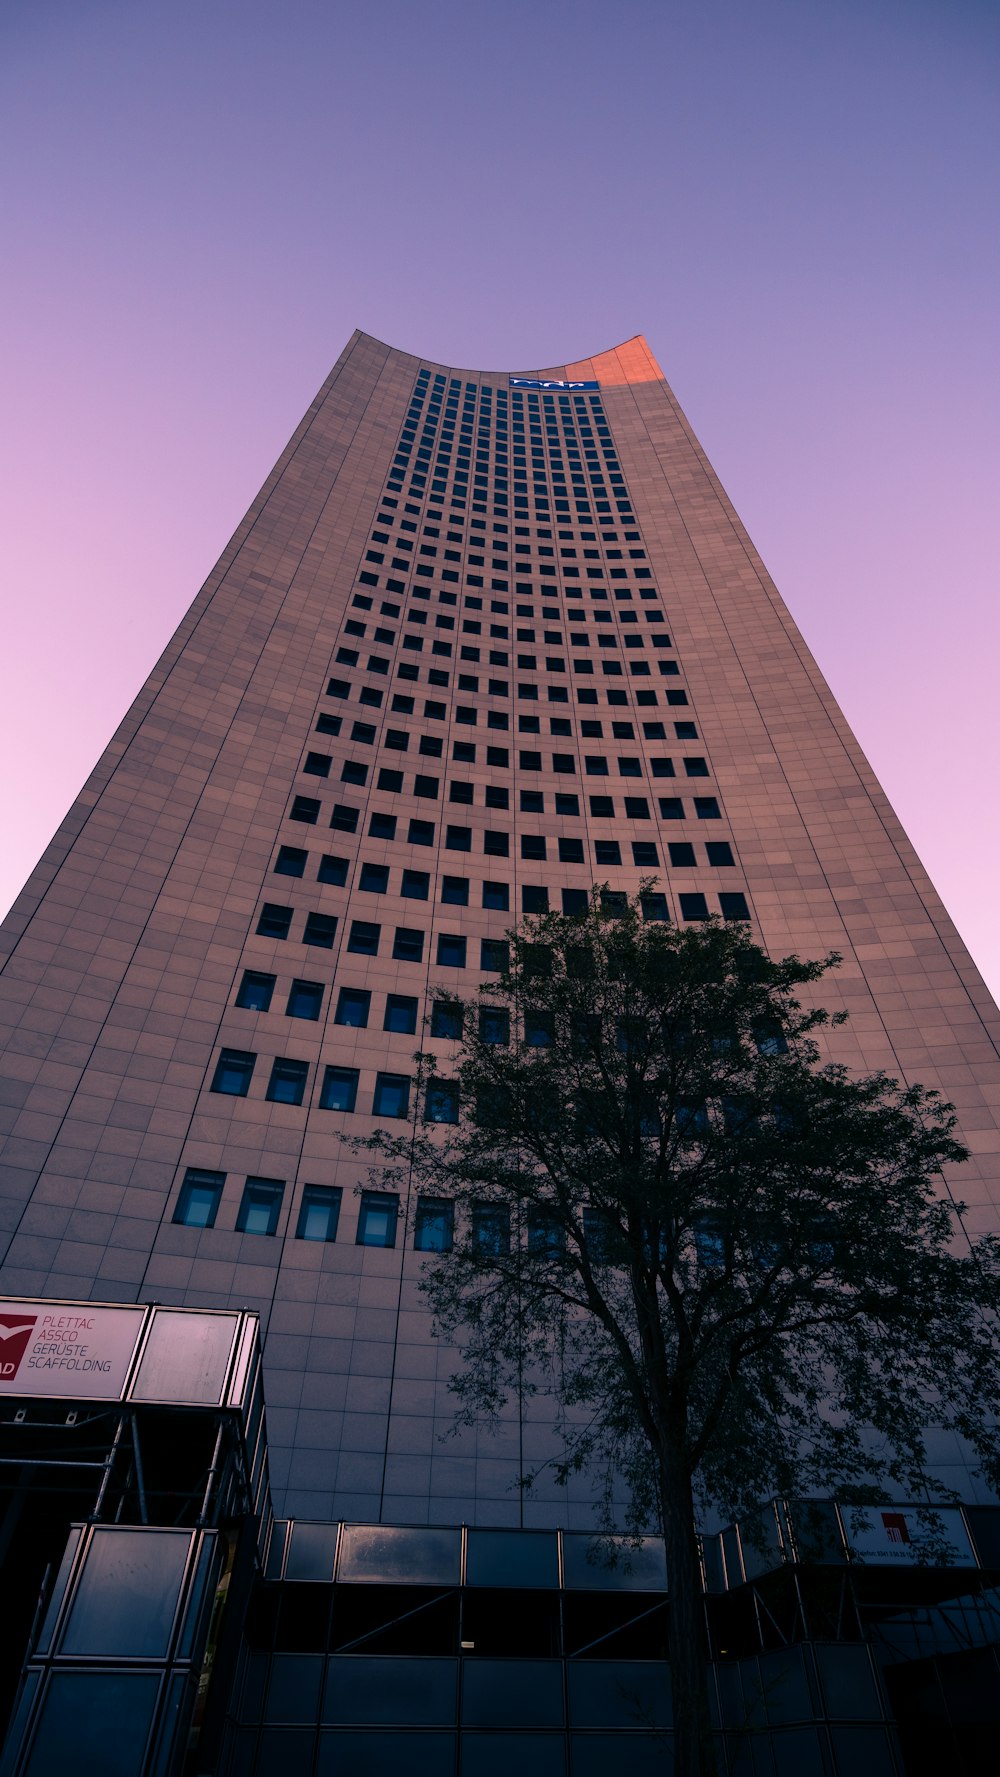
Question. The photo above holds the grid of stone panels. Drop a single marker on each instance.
(347, 780)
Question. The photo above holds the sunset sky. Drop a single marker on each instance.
(796, 203)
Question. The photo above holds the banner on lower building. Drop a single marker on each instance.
(67, 1349)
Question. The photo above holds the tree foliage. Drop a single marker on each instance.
(733, 1265)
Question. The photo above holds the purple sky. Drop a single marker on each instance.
(796, 202)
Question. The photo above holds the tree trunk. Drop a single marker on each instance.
(694, 1752)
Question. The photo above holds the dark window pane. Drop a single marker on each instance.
(340, 1087)
(446, 1019)
(491, 1227)
(400, 1013)
(260, 1206)
(287, 1084)
(734, 906)
(450, 951)
(233, 1072)
(364, 938)
(408, 945)
(305, 999)
(274, 921)
(415, 885)
(332, 870)
(377, 1220)
(433, 1230)
(352, 1006)
(319, 1213)
(392, 1095)
(201, 1194)
(494, 1024)
(494, 955)
(320, 929)
(441, 1101)
(255, 991)
(290, 861)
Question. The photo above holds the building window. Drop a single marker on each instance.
(539, 1029)
(534, 899)
(233, 1072)
(681, 854)
(734, 906)
(533, 847)
(494, 955)
(654, 906)
(255, 991)
(319, 1213)
(374, 878)
(575, 901)
(333, 870)
(287, 1084)
(392, 1095)
(305, 999)
(415, 885)
(340, 1089)
(455, 890)
(450, 951)
(274, 921)
(490, 1228)
(707, 808)
(696, 767)
(496, 895)
(290, 861)
(200, 1196)
(344, 819)
(377, 1220)
(364, 938)
(719, 852)
(434, 1225)
(320, 929)
(607, 851)
(260, 1206)
(352, 1007)
(304, 808)
(494, 1025)
(693, 907)
(408, 945)
(441, 1101)
(446, 1019)
(644, 853)
(400, 1013)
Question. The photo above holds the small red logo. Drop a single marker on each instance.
(896, 1527)
(15, 1334)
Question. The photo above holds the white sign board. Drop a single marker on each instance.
(905, 1536)
(66, 1349)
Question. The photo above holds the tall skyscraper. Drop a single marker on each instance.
(481, 641)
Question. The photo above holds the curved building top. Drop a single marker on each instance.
(630, 362)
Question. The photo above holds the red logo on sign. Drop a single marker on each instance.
(15, 1332)
(896, 1527)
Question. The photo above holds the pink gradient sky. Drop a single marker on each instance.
(795, 202)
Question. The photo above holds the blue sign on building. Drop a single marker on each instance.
(548, 382)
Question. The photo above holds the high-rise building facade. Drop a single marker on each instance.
(482, 641)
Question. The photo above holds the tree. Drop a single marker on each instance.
(732, 1265)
